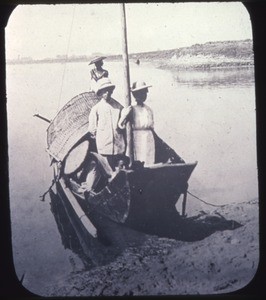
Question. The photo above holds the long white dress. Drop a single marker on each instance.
(143, 139)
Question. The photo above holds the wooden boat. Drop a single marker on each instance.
(119, 205)
(139, 199)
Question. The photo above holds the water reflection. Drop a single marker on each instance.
(93, 252)
(215, 78)
(67, 233)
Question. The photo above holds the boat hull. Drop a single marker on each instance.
(96, 239)
(141, 199)
(154, 193)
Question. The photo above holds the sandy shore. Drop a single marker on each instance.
(223, 262)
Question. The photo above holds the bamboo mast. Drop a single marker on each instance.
(126, 82)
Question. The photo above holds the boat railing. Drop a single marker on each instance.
(167, 165)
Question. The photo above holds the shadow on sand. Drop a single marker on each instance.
(112, 239)
(195, 228)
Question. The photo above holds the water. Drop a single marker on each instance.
(208, 116)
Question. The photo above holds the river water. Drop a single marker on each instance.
(206, 116)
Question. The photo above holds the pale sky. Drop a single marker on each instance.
(42, 31)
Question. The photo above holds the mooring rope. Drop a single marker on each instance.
(207, 203)
(49, 189)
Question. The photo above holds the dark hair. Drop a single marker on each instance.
(101, 91)
(135, 93)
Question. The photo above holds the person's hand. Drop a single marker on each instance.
(124, 116)
(126, 111)
(91, 136)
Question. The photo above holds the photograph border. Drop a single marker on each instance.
(10, 287)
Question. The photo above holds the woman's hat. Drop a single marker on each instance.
(139, 85)
(96, 59)
(104, 83)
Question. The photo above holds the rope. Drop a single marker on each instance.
(68, 44)
(205, 201)
(49, 189)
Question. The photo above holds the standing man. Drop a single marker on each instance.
(103, 124)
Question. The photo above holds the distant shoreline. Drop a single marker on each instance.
(207, 67)
(158, 64)
(211, 55)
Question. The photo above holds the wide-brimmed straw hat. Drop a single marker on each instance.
(96, 59)
(104, 83)
(76, 157)
(139, 85)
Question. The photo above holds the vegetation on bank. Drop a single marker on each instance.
(208, 55)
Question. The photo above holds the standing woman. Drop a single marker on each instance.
(141, 117)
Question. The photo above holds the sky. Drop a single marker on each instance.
(42, 31)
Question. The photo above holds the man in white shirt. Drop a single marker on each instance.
(103, 124)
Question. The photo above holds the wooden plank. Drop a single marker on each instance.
(129, 133)
(78, 210)
(184, 203)
(174, 165)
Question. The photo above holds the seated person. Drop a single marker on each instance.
(87, 171)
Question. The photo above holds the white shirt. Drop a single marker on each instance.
(103, 123)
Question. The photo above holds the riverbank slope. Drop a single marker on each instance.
(210, 55)
(223, 262)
